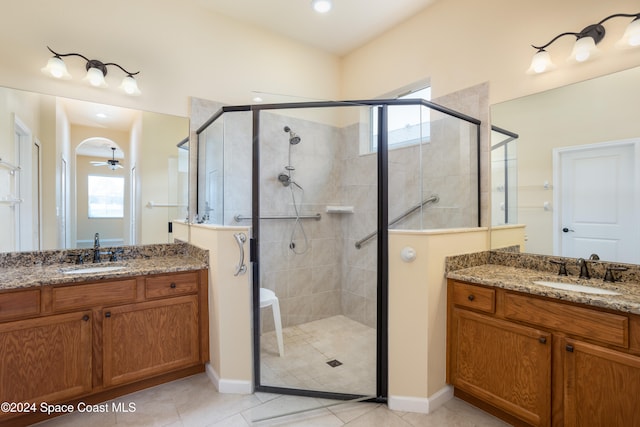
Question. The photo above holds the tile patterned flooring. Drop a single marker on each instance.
(308, 348)
(194, 401)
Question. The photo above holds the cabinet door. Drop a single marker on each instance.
(45, 359)
(601, 386)
(150, 338)
(504, 364)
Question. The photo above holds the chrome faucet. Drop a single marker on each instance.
(96, 248)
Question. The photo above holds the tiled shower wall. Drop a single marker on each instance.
(308, 284)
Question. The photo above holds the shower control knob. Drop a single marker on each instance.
(408, 254)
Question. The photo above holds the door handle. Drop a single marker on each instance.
(566, 230)
(241, 268)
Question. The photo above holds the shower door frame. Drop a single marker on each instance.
(382, 232)
(382, 253)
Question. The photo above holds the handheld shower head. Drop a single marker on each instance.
(284, 179)
(293, 138)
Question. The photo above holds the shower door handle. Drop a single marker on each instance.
(241, 268)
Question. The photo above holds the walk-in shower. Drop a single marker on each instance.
(310, 194)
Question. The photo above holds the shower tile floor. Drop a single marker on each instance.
(310, 347)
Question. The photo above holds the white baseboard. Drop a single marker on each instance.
(228, 386)
(420, 404)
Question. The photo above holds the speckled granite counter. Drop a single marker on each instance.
(518, 272)
(27, 269)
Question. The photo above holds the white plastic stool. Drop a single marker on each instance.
(269, 298)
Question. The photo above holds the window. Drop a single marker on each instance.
(408, 124)
(106, 196)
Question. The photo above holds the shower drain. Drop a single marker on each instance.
(333, 363)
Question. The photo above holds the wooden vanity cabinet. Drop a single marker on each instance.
(505, 364)
(149, 338)
(46, 359)
(601, 386)
(539, 361)
(97, 340)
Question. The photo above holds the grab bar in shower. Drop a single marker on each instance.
(241, 268)
(317, 217)
(365, 239)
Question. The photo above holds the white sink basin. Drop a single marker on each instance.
(93, 270)
(577, 288)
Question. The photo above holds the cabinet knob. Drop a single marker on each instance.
(85, 318)
(543, 340)
(172, 285)
(471, 297)
(569, 348)
(107, 314)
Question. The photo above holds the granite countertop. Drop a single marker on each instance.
(44, 268)
(492, 271)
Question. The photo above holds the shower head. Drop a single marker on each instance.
(293, 138)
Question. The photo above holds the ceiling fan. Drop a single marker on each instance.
(112, 163)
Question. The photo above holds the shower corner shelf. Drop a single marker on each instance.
(340, 209)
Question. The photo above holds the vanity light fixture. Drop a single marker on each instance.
(96, 71)
(321, 6)
(586, 41)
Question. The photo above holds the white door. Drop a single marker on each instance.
(597, 195)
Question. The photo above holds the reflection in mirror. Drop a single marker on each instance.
(578, 170)
(211, 174)
(504, 178)
(57, 153)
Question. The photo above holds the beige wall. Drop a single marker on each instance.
(230, 313)
(180, 48)
(508, 235)
(417, 312)
(184, 50)
(460, 43)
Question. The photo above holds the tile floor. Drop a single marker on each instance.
(308, 348)
(194, 402)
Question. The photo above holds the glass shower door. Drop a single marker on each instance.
(317, 292)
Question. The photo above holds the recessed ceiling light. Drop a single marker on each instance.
(257, 99)
(101, 115)
(321, 6)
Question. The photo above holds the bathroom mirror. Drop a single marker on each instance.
(564, 135)
(70, 169)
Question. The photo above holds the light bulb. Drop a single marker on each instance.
(130, 86)
(631, 37)
(95, 77)
(583, 49)
(540, 63)
(56, 68)
(321, 6)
